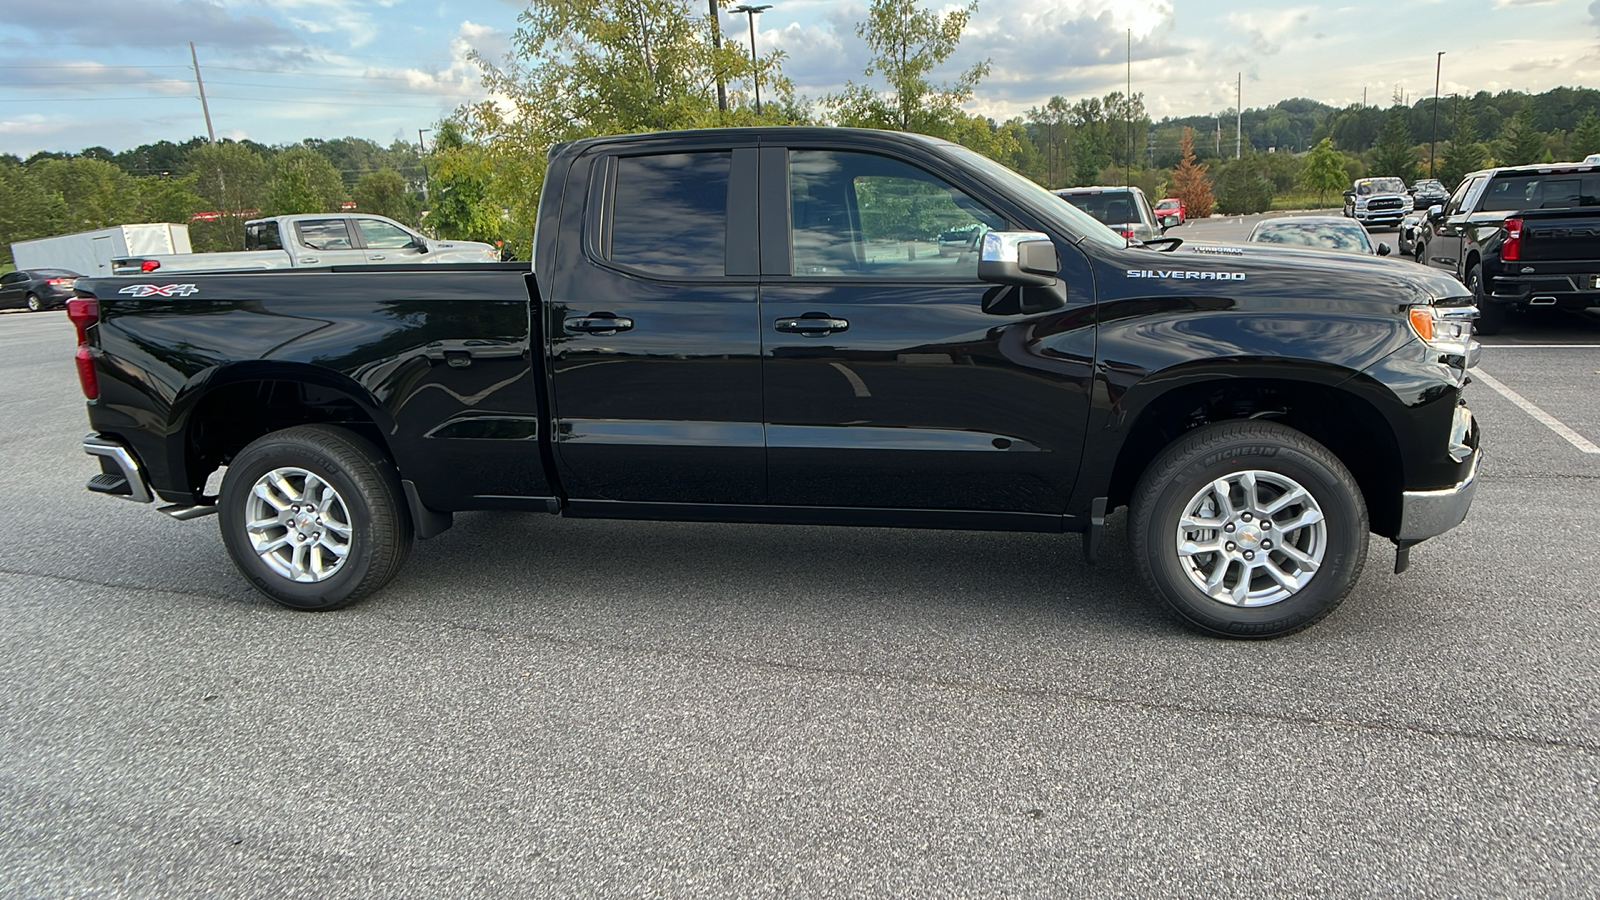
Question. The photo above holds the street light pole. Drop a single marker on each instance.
(755, 73)
(1438, 61)
(716, 47)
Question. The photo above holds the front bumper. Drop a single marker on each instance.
(1426, 514)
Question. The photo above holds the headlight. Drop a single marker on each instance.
(1447, 329)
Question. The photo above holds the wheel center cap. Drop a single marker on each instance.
(1248, 537)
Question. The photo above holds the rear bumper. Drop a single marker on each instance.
(120, 472)
(1564, 290)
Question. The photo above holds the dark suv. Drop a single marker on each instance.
(37, 289)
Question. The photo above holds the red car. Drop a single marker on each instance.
(1172, 206)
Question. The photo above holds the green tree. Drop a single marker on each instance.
(1243, 187)
(1394, 154)
(162, 199)
(384, 193)
(232, 180)
(1466, 153)
(96, 192)
(1189, 181)
(1586, 136)
(28, 210)
(303, 181)
(1324, 172)
(907, 43)
(1520, 141)
(460, 193)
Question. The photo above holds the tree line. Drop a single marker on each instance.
(580, 68)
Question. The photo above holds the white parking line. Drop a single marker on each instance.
(1551, 422)
(1542, 346)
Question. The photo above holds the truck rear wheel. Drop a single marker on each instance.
(313, 516)
(1491, 315)
(1249, 529)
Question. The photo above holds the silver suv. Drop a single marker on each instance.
(1123, 209)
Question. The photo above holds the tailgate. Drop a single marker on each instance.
(1568, 234)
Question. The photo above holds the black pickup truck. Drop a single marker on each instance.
(764, 326)
(1520, 238)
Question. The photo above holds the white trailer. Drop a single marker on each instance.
(91, 252)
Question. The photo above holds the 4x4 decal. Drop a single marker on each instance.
(160, 290)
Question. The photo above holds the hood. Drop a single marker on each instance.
(1306, 272)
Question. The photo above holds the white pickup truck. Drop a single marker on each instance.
(288, 242)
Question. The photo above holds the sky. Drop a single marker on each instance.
(117, 73)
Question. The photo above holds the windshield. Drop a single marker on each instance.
(1065, 216)
(1381, 186)
(1326, 235)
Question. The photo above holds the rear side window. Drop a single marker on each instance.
(325, 234)
(1555, 190)
(262, 236)
(670, 213)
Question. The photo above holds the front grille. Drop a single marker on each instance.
(1385, 204)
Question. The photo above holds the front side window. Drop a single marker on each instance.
(325, 234)
(866, 215)
(1458, 200)
(671, 213)
(382, 235)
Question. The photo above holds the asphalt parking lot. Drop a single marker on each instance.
(576, 708)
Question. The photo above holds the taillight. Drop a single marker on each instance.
(149, 265)
(1511, 247)
(61, 281)
(83, 312)
(1127, 233)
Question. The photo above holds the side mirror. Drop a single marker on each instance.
(1435, 213)
(1018, 257)
(1383, 249)
(1168, 221)
(1348, 194)
(420, 244)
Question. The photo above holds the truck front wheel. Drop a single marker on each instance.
(313, 516)
(1249, 529)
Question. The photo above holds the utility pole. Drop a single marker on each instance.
(422, 154)
(1363, 98)
(716, 48)
(755, 71)
(210, 135)
(1434, 136)
(1238, 120)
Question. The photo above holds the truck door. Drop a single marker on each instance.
(385, 242)
(326, 242)
(892, 377)
(1445, 236)
(650, 317)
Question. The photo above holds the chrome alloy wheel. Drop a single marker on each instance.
(298, 525)
(1252, 538)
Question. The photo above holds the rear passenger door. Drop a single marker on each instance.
(654, 342)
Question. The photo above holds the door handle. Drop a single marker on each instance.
(601, 324)
(308, 259)
(376, 256)
(811, 325)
